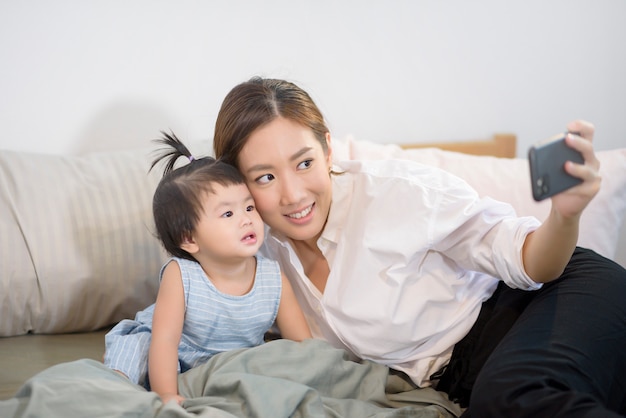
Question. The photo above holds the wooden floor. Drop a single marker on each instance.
(24, 356)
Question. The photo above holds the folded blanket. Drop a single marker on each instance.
(278, 379)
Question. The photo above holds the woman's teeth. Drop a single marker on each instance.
(302, 214)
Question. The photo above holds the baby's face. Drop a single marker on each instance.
(229, 225)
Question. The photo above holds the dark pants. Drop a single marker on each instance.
(556, 352)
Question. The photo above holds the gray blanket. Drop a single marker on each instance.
(278, 379)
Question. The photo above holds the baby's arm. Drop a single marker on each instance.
(290, 319)
(167, 326)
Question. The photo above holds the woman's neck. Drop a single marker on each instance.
(313, 261)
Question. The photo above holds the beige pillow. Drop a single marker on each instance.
(508, 180)
(76, 248)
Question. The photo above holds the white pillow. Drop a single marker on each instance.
(508, 180)
(76, 248)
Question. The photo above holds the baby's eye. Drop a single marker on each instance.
(264, 179)
(305, 164)
(227, 214)
(250, 208)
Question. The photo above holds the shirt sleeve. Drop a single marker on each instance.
(482, 234)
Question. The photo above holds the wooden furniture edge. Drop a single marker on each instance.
(502, 145)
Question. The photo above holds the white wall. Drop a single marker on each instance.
(78, 76)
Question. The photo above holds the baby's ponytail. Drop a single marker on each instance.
(173, 150)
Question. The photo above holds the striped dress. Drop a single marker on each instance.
(214, 321)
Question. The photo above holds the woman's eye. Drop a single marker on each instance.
(264, 179)
(305, 164)
(227, 214)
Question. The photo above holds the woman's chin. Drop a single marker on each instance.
(301, 231)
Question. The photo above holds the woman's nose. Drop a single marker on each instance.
(291, 190)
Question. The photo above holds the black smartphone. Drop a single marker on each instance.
(547, 172)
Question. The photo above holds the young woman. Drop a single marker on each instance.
(403, 264)
(215, 294)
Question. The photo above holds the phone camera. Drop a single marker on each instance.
(543, 185)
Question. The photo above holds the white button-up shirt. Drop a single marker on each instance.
(413, 252)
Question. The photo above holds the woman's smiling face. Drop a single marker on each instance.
(287, 172)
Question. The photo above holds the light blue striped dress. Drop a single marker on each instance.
(214, 321)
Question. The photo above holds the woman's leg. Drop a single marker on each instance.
(565, 356)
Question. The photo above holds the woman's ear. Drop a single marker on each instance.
(329, 154)
(189, 245)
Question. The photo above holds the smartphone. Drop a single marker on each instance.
(547, 172)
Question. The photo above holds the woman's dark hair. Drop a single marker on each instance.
(177, 201)
(256, 102)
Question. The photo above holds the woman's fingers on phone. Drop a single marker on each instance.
(581, 128)
(589, 171)
(581, 141)
(590, 176)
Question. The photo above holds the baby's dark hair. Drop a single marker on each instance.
(177, 201)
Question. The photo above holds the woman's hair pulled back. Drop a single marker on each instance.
(255, 103)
